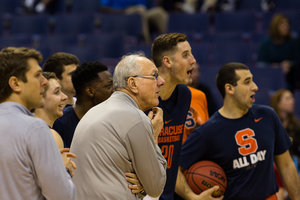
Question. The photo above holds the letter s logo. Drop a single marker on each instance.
(244, 138)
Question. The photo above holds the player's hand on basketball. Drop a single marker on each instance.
(207, 194)
(156, 116)
(67, 161)
(136, 186)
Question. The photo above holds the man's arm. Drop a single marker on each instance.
(48, 167)
(288, 174)
(183, 189)
(147, 160)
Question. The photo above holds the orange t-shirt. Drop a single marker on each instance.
(197, 114)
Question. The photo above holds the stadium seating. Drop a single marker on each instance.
(144, 48)
(10, 6)
(287, 5)
(223, 37)
(239, 22)
(84, 54)
(1, 25)
(186, 22)
(57, 39)
(90, 6)
(29, 24)
(201, 52)
(128, 24)
(248, 5)
(112, 43)
(74, 23)
(17, 40)
(238, 52)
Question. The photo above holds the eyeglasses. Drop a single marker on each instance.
(154, 75)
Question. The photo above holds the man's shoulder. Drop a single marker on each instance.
(68, 109)
(183, 87)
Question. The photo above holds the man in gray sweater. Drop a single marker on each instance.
(116, 136)
(31, 166)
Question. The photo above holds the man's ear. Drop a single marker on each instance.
(229, 88)
(15, 84)
(90, 91)
(133, 85)
(167, 61)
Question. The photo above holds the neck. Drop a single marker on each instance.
(168, 88)
(40, 113)
(231, 111)
(82, 106)
(16, 98)
(134, 97)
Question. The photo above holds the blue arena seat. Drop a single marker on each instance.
(179, 22)
(262, 97)
(74, 23)
(144, 48)
(225, 53)
(111, 63)
(1, 25)
(85, 6)
(84, 54)
(222, 37)
(16, 40)
(248, 5)
(112, 43)
(10, 6)
(268, 78)
(201, 52)
(128, 24)
(243, 22)
(29, 24)
(57, 39)
(46, 52)
(287, 5)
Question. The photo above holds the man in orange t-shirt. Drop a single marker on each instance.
(197, 114)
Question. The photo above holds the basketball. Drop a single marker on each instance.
(205, 174)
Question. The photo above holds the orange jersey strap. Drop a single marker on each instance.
(272, 197)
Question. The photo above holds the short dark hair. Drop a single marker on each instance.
(85, 74)
(57, 61)
(227, 75)
(165, 44)
(14, 62)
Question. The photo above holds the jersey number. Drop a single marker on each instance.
(245, 140)
(167, 152)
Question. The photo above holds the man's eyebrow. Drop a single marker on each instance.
(246, 79)
(186, 51)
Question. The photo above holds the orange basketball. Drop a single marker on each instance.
(205, 174)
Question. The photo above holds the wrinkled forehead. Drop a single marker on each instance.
(147, 66)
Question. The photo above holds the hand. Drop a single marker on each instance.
(207, 194)
(67, 161)
(136, 186)
(156, 116)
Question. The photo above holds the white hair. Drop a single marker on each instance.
(127, 67)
